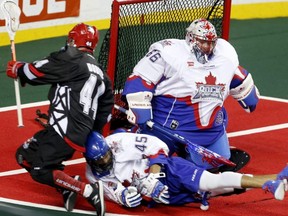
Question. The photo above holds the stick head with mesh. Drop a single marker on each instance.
(11, 13)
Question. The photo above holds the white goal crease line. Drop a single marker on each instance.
(20, 171)
(231, 134)
(258, 130)
(50, 207)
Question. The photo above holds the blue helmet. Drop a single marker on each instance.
(98, 154)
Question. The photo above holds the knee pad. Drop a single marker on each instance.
(43, 176)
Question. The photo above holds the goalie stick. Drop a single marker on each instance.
(11, 13)
(209, 156)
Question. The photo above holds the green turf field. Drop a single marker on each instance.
(261, 45)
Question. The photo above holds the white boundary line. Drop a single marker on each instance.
(21, 171)
(29, 105)
(258, 130)
(55, 208)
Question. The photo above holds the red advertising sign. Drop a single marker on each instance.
(40, 10)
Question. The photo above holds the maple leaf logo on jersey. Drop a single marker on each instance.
(209, 91)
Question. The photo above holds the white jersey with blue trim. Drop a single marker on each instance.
(184, 81)
(132, 153)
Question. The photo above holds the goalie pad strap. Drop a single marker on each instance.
(244, 89)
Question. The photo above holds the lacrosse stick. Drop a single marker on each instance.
(209, 156)
(11, 13)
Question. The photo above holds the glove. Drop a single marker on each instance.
(140, 109)
(129, 197)
(246, 94)
(249, 103)
(152, 187)
(12, 68)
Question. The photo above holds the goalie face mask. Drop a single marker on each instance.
(201, 37)
(83, 36)
(98, 154)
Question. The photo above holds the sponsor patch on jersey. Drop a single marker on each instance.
(209, 91)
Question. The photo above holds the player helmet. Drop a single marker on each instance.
(201, 36)
(98, 154)
(83, 35)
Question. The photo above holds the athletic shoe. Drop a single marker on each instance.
(69, 197)
(283, 174)
(276, 187)
(96, 199)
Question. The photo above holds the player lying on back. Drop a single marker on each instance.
(135, 166)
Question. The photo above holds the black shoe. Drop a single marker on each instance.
(96, 199)
(69, 197)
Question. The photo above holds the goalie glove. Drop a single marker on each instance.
(129, 197)
(246, 94)
(12, 68)
(140, 109)
(152, 187)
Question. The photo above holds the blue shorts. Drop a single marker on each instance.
(182, 179)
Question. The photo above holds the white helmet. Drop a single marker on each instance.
(201, 36)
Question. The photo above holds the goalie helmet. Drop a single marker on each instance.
(83, 35)
(201, 37)
(98, 154)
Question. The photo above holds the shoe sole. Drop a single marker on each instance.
(71, 201)
(101, 194)
(280, 191)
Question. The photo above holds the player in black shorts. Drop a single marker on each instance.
(81, 100)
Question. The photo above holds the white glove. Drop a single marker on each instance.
(152, 187)
(129, 197)
(247, 94)
(140, 109)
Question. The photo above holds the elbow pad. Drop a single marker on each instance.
(246, 94)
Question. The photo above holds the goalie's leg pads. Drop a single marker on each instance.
(239, 157)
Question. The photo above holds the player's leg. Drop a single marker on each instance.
(210, 182)
(46, 168)
(221, 147)
(26, 152)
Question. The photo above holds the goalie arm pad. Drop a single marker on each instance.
(140, 109)
(246, 94)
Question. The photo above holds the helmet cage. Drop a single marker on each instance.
(102, 164)
(201, 37)
(98, 154)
